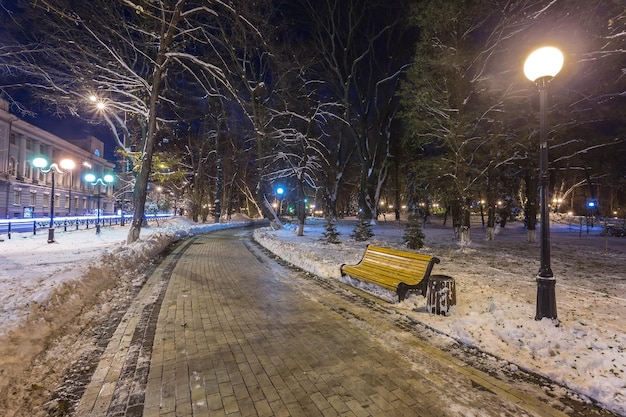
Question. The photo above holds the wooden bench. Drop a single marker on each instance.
(393, 269)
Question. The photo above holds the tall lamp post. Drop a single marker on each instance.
(105, 180)
(541, 67)
(42, 163)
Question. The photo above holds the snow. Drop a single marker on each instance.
(495, 283)
(33, 269)
(496, 296)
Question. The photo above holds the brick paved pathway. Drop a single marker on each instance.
(232, 335)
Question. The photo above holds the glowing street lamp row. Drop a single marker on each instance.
(42, 164)
(62, 168)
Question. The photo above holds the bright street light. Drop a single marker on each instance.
(42, 163)
(544, 62)
(541, 67)
(99, 103)
(280, 192)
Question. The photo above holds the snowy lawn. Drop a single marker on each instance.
(496, 293)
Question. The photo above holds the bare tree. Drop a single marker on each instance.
(121, 52)
(472, 115)
(452, 120)
(361, 47)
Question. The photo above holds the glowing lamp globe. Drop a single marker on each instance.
(40, 162)
(67, 164)
(543, 62)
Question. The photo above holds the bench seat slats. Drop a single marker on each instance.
(393, 269)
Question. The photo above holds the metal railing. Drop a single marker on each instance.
(34, 225)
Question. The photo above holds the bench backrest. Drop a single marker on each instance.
(418, 264)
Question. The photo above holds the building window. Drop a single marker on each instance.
(17, 197)
(84, 203)
(28, 169)
(11, 167)
(67, 202)
(33, 198)
(75, 203)
(13, 139)
(29, 144)
(42, 149)
(46, 200)
(57, 200)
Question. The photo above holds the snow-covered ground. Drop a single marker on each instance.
(32, 270)
(496, 296)
(495, 281)
(55, 298)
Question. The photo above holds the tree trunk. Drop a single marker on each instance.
(465, 227)
(219, 186)
(455, 209)
(491, 220)
(367, 210)
(396, 194)
(276, 223)
(301, 207)
(141, 186)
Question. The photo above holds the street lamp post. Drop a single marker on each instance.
(482, 212)
(541, 67)
(42, 163)
(280, 191)
(105, 180)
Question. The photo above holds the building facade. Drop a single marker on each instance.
(25, 191)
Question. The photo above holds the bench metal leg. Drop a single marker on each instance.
(402, 291)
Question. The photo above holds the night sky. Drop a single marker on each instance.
(75, 128)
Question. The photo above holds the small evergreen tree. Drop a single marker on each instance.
(362, 231)
(413, 235)
(331, 235)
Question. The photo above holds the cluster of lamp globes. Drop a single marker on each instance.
(62, 168)
(67, 165)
